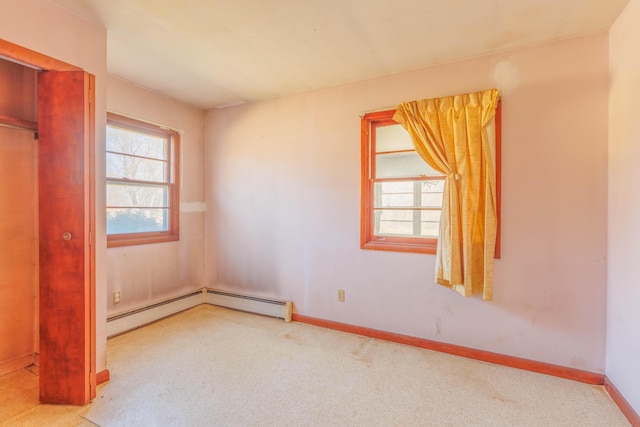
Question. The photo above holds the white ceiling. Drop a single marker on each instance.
(214, 53)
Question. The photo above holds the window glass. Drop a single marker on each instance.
(392, 137)
(141, 194)
(401, 165)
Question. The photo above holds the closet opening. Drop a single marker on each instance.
(47, 218)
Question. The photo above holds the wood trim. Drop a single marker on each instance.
(102, 377)
(14, 122)
(382, 116)
(621, 402)
(118, 240)
(18, 363)
(410, 178)
(91, 179)
(471, 353)
(378, 153)
(429, 248)
(32, 58)
(364, 179)
(124, 122)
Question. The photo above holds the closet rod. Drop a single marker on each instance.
(18, 123)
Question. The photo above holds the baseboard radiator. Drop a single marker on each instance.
(127, 321)
(268, 307)
(123, 322)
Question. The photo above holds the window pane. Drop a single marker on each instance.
(406, 223)
(430, 229)
(426, 194)
(404, 195)
(400, 165)
(395, 186)
(431, 216)
(138, 144)
(392, 138)
(394, 194)
(122, 221)
(394, 228)
(124, 166)
(400, 200)
(145, 196)
(396, 215)
(431, 193)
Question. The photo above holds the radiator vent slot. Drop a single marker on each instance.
(268, 307)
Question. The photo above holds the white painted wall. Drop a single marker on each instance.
(623, 291)
(146, 274)
(41, 26)
(283, 192)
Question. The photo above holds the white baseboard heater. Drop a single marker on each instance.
(124, 322)
(133, 319)
(268, 307)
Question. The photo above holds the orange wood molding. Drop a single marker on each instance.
(622, 403)
(90, 176)
(103, 377)
(485, 356)
(32, 58)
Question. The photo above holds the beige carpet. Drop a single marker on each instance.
(211, 366)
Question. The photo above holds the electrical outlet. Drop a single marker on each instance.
(116, 297)
(340, 295)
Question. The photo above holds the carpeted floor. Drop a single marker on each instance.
(211, 366)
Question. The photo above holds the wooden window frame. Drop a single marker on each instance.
(368, 240)
(173, 233)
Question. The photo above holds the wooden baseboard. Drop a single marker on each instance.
(103, 377)
(622, 403)
(485, 356)
(18, 363)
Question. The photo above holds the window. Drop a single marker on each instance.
(142, 182)
(401, 194)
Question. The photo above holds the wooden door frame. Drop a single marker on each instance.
(32, 59)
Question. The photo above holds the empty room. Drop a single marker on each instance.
(319, 213)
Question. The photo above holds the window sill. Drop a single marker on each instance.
(400, 247)
(117, 240)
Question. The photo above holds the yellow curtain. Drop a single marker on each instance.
(455, 135)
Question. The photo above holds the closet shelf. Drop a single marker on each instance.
(18, 123)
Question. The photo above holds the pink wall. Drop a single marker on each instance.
(146, 274)
(623, 292)
(283, 189)
(45, 28)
